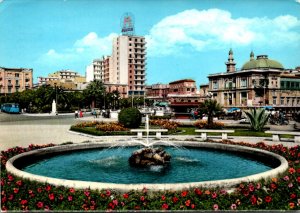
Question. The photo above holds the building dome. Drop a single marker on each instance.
(262, 62)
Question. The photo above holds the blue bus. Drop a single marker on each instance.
(10, 108)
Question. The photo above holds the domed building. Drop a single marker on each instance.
(260, 82)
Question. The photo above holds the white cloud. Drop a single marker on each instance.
(298, 1)
(215, 28)
(85, 49)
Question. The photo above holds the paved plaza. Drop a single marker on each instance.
(22, 130)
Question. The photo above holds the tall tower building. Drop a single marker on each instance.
(129, 63)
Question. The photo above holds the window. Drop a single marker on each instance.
(244, 83)
(282, 101)
(215, 85)
(274, 100)
(16, 74)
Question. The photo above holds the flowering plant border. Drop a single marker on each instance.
(279, 193)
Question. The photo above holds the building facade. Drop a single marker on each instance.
(129, 63)
(259, 82)
(15, 80)
(66, 79)
(157, 92)
(94, 71)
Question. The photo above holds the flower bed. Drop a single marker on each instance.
(101, 128)
(202, 124)
(281, 192)
(165, 124)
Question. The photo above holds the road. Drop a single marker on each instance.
(22, 130)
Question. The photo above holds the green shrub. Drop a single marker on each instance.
(155, 117)
(130, 117)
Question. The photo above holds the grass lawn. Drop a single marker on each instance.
(238, 132)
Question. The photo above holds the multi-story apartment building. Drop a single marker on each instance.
(15, 80)
(66, 79)
(129, 63)
(183, 94)
(157, 92)
(94, 71)
(259, 82)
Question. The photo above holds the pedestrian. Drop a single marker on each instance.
(76, 114)
(80, 113)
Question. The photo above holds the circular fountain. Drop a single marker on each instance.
(107, 165)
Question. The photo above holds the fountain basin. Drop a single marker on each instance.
(14, 164)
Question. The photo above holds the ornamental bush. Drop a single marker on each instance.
(130, 117)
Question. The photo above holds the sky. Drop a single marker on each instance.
(185, 38)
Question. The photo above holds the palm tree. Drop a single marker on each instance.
(210, 107)
(95, 92)
(258, 118)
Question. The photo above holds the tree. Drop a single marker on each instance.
(210, 107)
(258, 118)
(95, 93)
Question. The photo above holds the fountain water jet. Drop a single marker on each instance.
(149, 156)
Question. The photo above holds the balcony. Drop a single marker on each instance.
(140, 52)
(10, 85)
(140, 47)
(17, 85)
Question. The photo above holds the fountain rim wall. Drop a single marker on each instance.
(226, 183)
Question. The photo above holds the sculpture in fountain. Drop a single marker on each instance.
(149, 156)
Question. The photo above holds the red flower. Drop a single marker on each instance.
(214, 195)
(142, 198)
(108, 193)
(16, 190)
(268, 199)
(61, 197)
(125, 195)
(72, 190)
(175, 199)
(163, 197)
(51, 196)
(215, 207)
(10, 177)
(188, 202)
(292, 170)
(87, 193)
(193, 206)
(291, 205)
(184, 194)
(298, 179)
(253, 200)
(19, 183)
(3, 199)
(24, 202)
(273, 186)
(39, 190)
(164, 206)
(11, 197)
(40, 204)
(293, 196)
(251, 187)
(198, 191)
(298, 171)
(70, 198)
(48, 188)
